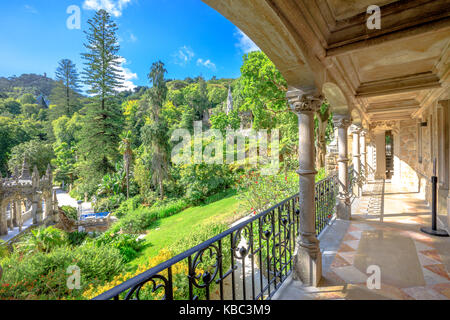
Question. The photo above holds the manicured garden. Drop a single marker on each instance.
(167, 231)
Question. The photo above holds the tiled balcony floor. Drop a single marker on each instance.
(384, 231)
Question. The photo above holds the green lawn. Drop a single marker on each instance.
(168, 230)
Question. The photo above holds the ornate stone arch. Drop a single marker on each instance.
(336, 98)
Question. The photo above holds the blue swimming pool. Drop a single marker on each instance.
(94, 215)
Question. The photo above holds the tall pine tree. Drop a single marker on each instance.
(103, 117)
(65, 93)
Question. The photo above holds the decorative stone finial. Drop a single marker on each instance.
(16, 172)
(25, 174)
(35, 174)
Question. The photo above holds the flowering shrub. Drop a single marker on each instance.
(46, 286)
(43, 275)
(180, 270)
(179, 276)
(259, 192)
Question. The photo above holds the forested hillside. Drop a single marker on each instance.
(35, 84)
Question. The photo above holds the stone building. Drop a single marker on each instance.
(392, 78)
(27, 197)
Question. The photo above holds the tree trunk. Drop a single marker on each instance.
(128, 181)
(161, 189)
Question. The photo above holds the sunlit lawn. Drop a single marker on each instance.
(168, 230)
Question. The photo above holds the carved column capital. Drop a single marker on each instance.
(342, 122)
(301, 101)
(355, 129)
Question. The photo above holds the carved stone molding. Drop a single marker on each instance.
(301, 101)
(355, 129)
(385, 126)
(342, 122)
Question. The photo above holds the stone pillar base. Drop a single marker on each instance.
(343, 208)
(3, 229)
(308, 267)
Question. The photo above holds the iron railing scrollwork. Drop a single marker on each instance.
(326, 192)
(248, 261)
(352, 179)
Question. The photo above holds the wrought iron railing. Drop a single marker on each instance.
(248, 261)
(363, 173)
(326, 192)
(351, 179)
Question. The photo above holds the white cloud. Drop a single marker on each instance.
(114, 7)
(31, 9)
(128, 76)
(245, 44)
(133, 38)
(183, 56)
(206, 63)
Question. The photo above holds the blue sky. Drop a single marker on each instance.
(187, 35)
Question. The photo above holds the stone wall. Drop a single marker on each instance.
(407, 156)
(416, 175)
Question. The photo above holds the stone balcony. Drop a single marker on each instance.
(384, 231)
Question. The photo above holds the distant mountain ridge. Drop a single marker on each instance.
(27, 83)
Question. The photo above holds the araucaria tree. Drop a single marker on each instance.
(102, 117)
(155, 132)
(65, 93)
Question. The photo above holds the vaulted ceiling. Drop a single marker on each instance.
(388, 73)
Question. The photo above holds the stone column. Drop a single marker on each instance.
(445, 104)
(308, 259)
(380, 145)
(36, 208)
(396, 174)
(356, 130)
(343, 205)
(3, 223)
(16, 214)
(364, 153)
(20, 217)
(11, 214)
(34, 205)
(39, 212)
(48, 206)
(55, 208)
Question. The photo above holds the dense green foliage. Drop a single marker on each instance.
(114, 147)
(141, 218)
(70, 212)
(43, 275)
